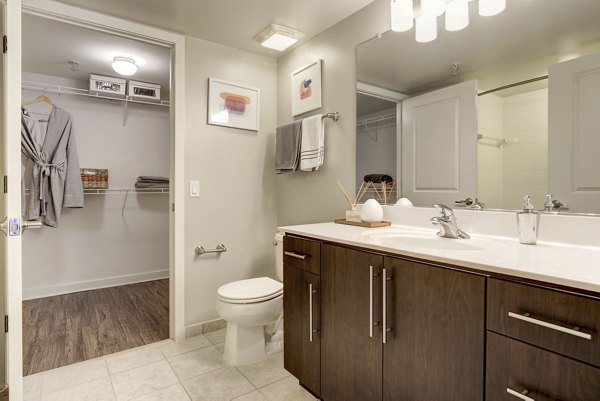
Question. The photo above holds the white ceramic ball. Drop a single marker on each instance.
(403, 202)
(371, 212)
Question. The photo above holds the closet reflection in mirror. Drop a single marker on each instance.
(458, 136)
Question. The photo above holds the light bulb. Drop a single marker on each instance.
(402, 15)
(488, 8)
(457, 15)
(426, 29)
(124, 65)
(432, 8)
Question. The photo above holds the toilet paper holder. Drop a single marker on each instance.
(219, 249)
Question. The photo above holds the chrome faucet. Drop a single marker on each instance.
(447, 224)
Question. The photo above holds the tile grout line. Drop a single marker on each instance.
(112, 386)
(177, 376)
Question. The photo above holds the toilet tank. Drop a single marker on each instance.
(279, 256)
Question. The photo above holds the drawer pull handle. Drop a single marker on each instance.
(527, 318)
(371, 301)
(519, 395)
(296, 255)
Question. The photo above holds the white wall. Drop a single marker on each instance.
(237, 205)
(525, 163)
(96, 246)
(305, 197)
(489, 157)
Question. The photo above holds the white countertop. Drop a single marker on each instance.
(568, 265)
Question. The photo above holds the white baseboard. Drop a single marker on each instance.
(60, 289)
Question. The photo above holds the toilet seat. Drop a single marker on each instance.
(250, 291)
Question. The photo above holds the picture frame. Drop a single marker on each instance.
(233, 105)
(307, 88)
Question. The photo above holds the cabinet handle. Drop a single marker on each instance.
(295, 255)
(371, 301)
(384, 297)
(310, 312)
(527, 318)
(519, 395)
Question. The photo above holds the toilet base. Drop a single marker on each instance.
(246, 344)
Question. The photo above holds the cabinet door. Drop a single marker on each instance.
(517, 371)
(351, 338)
(302, 351)
(434, 348)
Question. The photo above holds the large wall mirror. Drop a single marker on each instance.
(506, 107)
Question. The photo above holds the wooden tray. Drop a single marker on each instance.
(363, 224)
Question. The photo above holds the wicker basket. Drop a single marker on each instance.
(94, 178)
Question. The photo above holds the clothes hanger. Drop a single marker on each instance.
(39, 99)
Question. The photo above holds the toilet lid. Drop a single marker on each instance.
(254, 288)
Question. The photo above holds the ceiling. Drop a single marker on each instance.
(513, 46)
(49, 45)
(230, 22)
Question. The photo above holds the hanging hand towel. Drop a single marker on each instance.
(287, 147)
(312, 154)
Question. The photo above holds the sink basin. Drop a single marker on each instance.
(399, 238)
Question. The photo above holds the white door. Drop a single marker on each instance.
(439, 145)
(574, 133)
(10, 196)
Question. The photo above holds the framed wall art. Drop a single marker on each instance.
(306, 88)
(233, 105)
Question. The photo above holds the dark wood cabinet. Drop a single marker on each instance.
(302, 340)
(515, 368)
(351, 353)
(388, 328)
(435, 345)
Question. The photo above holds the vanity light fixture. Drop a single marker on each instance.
(124, 65)
(404, 15)
(278, 37)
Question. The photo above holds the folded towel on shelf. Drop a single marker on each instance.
(148, 185)
(312, 152)
(152, 179)
(378, 178)
(287, 147)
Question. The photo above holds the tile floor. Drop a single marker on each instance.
(166, 371)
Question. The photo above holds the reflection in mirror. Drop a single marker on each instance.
(537, 136)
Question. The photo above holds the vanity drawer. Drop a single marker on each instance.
(302, 254)
(514, 367)
(564, 323)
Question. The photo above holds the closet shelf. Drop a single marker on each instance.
(117, 191)
(66, 90)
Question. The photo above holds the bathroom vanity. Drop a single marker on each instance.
(400, 314)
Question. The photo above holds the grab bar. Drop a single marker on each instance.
(219, 249)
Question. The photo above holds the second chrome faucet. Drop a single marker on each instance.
(447, 223)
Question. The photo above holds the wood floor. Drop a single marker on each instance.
(70, 328)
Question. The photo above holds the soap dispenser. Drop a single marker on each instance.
(529, 222)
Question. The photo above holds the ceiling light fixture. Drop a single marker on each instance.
(404, 15)
(278, 37)
(124, 65)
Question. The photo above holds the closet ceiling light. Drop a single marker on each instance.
(404, 15)
(278, 37)
(124, 65)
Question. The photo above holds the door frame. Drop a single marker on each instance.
(175, 41)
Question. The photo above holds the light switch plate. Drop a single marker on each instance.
(194, 189)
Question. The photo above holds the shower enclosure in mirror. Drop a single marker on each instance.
(505, 107)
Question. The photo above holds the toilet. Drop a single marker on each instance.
(253, 310)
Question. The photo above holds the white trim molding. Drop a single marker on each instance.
(77, 286)
(381, 93)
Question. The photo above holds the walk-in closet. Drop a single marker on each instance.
(96, 250)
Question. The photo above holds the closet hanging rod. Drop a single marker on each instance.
(335, 116)
(378, 119)
(66, 90)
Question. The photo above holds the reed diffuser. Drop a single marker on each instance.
(353, 214)
(384, 195)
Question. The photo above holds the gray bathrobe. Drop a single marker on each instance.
(56, 180)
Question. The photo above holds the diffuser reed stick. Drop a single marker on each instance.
(361, 192)
(341, 187)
